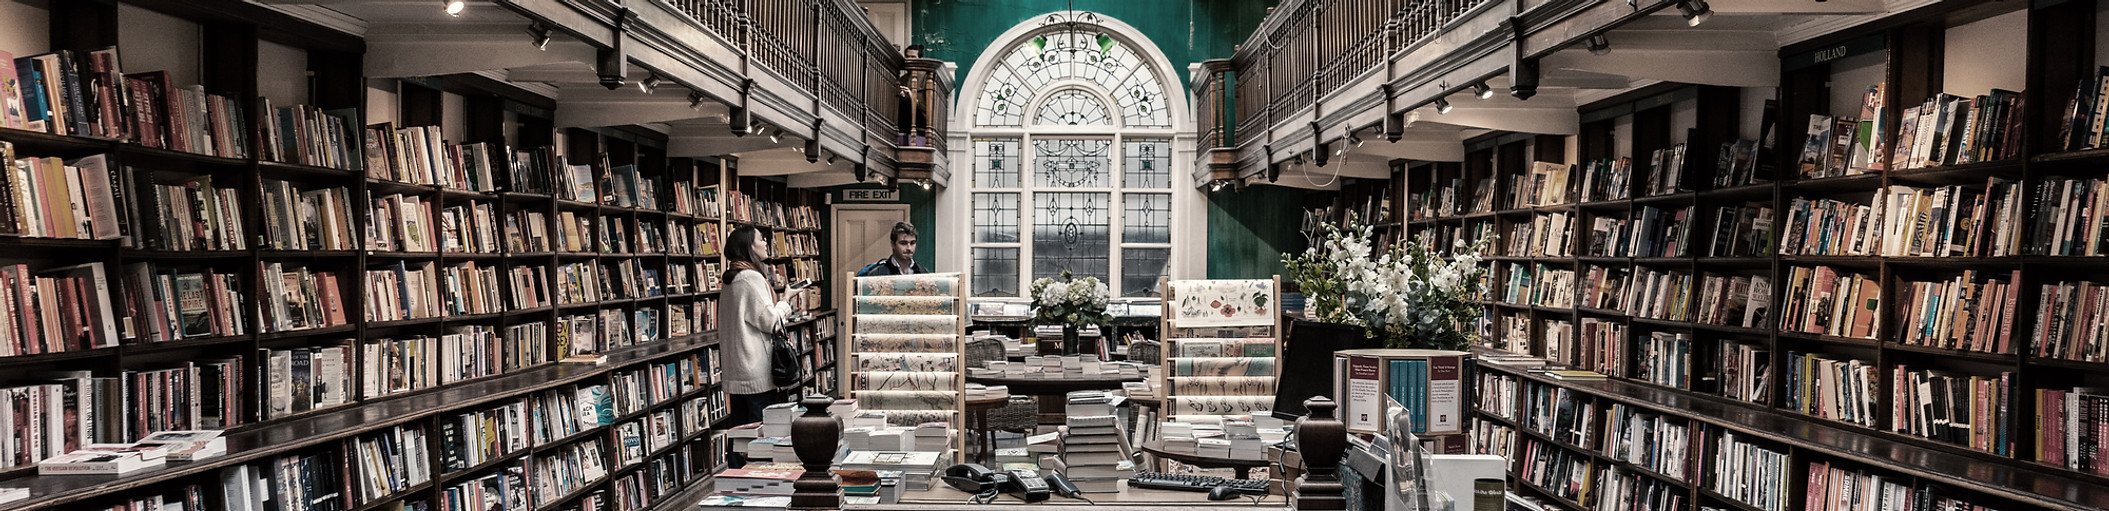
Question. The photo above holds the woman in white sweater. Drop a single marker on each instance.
(748, 312)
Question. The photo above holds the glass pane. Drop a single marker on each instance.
(1002, 100)
(995, 218)
(1142, 101)
(1146, 163)
(1073, 107)
(1072, 162)
(1140, 268)
(1070, 232)
(996, 162)
(995, 272)
(1147, 218)
(1063, 56)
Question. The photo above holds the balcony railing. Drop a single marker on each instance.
(929, 93)
(1307, 49)
(825, 46)
(1211, 107)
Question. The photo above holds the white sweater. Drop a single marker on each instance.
(746, 317)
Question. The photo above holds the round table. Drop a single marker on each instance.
(1243, 468)
(978, 415)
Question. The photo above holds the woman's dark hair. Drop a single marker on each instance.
(739, 246)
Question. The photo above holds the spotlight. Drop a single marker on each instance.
(1695, 11)
(695, 101)
(924, 182)
(1342, 151)
(775, 138)
(1598, 45)
(1482, 90)
(540, 33)
(1354, 139)
(831, 158)
(454, 7)
(1442, 106)
(649, 83)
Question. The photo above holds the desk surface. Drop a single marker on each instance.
(1037, 385)
(1157, 447)
(940, 496)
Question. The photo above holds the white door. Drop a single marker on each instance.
(862, 234)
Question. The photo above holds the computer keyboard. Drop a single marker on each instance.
(1188, 482)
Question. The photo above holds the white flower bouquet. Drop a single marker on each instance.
(1412, 299)
(1069, 301)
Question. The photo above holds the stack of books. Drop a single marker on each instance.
(752, 481)
(933, 436)
(883, 438)
(1243, 441)
(1094, 452)
(976, 391)
(105, 459)
(916, 468)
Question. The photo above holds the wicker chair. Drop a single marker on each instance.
(1020, 414)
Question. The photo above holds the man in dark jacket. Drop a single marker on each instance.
(902, 262)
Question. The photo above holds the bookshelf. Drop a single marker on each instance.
(460, 315)
(1692, 351)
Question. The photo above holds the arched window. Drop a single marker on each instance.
(1071, 159)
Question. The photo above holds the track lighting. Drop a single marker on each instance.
(454, 7)
(695, 101)
(1598, 45)
(649, 83)
(1482, 90)
(540, 33)
(1695, 11)
(1442, 106)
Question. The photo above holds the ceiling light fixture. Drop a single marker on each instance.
(1695, 11)
(540, 33)
(649, 83)
(454, 7)
(1598, 45)
(1482, 90)
(1442, 106)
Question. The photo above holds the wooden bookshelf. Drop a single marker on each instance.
(1908, 53)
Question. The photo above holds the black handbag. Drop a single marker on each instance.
(784, 369)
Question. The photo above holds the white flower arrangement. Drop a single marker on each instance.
(1073, 302)
(1414, 298)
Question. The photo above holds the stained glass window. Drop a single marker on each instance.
(1146, 218)
(1070, 232)
(1146, 163)
(1073, 107)
(1072, 162)
(1084, 54)
(996, 162)
(995, 271)
(1140, 268)
(996, 218)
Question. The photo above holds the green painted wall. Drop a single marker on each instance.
(922, 211)
(1187, 32)
(1248, 230)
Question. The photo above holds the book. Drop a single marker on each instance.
(190, 445)
(104, 459)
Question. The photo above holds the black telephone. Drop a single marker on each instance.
(985, 484)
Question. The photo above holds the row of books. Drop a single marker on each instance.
(1960, 409)
(1829, 227)
(1543, 286)
(1734, 300)
(402, 291)
(191, 215)
(1750, 473)
(502, 489)
(1545, 184)
(622, 186)
(1742, 231)
(2072, 322)
(1952, 220)
(634, 390)
(2069, 217)
(1665, 171)
(299, 380)
(741, 207)
(1835, 488)
(305, 298)
(1652, 441)
(86, 94)
(171, 304)
(1842, 146)
(2085, 114)
(1607, 179)
(2070, 428)
(1965, 313)
(469, 228)
(1743, 161)
(302, 218)
(1746, 372)
(305, 135)
(1546, 235)
(1559, 413)
(388, 462)
(419, 155)
(48, 197)
(1622, 489)
(74, 409)
(473, 438)
(401, 223)
(468, 289)
(1511, 332)
(1828, 387)
(1827, 301)
(1658, 294)
(1954, 130)
(1662, 358)
(794, 245)
(404, 364)
(56, 310)
(1439, 201)
(1562, 472)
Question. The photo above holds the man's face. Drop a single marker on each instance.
(904, 247)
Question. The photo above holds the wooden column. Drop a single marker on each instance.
(816, 436)
(1321, 439)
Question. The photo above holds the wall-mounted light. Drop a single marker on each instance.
(540, 33)
(775, 137)
(1598, 45)
(695, 101)
(1695, 11)
(1482, 90)
(1442, 106)
(454, 7)
(649, 83)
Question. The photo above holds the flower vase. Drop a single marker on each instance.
(1069, 340)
